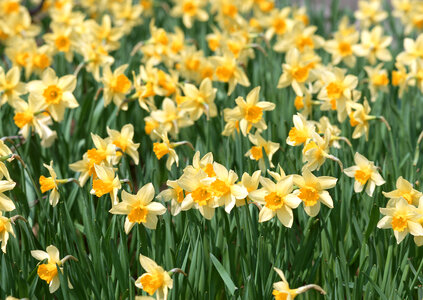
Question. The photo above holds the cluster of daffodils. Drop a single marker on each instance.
(206, 185)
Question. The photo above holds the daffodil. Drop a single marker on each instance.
(278, 200)
(124, 141)
(6, 204)
(370, 13)
(190, 10)
(404, 189)
(55, 92)
(5, 154)
(296, 71)
(155, 280)
(312, 191)
(175, 194)
(200, 100)
(29, 115)
(171, 117)
(49, 271)
(198, 193)
(251, 111)
(302, 131)
(251, 183)
(139, 208)
(51, 183)
(227, 70)
(5, 229)
(10, 85)
(116, 86)
(281, 290)
(378, 80)
(364, 172)
(106, 183)
(359, 118)
(205, 164)
(261, 147)
(374, 45)
(316, 151)
(166, 147)
(225, 189)
(402, 217)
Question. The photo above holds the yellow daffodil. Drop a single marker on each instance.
(312, 191)
(278, 200)
(296, 71)
(30, 115)
(359, 118)
(200, 100)
(6, 204)
(316, 151)
(378, 80)
(302, 131)
(139, 208)
(370, 12)
(198, 193)
(175, 194)
(10, 85)
(190, 10)
(156, 280)
(51, 183)
(402, 217)
(166, 147)
(5, 154)
(225, 189)
(5, 229)
(251, 183)
(261, 147)
(171, 117)
(63, 39)
(281, 290)
(55, 92)
(364, 172)
(251, 111)
(106, 183)
(374, 45)
(48, 271)
(404, 189)
(116, 86)
(227, 70)
(124, 141)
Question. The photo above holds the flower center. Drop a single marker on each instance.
(192, 63)
(279, 25)
(274, 201)
(344, 48)
(138, 214)
(47, 272)
(380, 79)
(299, 102)
(209, 170)
(23, 118)
(160, 149)
(309, 195)
(303, 42)
(151, 282)
(11, 7)
(408, 197)
(300, 74)
(253, 114)
(225, 73)
(62, 43)
(21, 58)
(53, 94)
(229, 10)
(335, 90)
(280, 295)
(189, 8)
(2, 226)
(362, 175)
(257, 152)
(120, 84)
(180, 195)
(399, 222)
(219, 188)
(121, 143)
(46, 184)
(102, 187)
(41, 61)
(201, 196)
(97, 156)
(297, 136)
